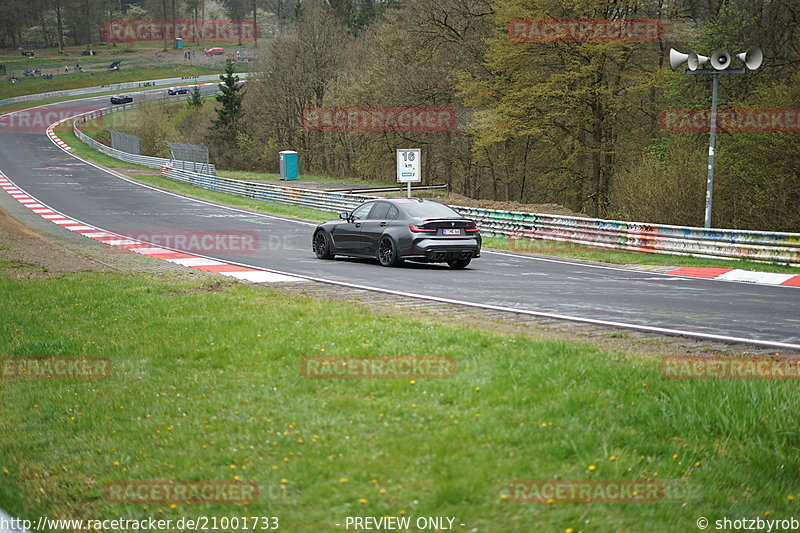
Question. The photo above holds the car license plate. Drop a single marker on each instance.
(455, 231)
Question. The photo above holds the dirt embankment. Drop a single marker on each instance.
(26, 254)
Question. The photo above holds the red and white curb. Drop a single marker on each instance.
(173, 256)
(735, 274)
(53, 137)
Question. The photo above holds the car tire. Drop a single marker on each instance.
(387, 253)
(321, 245)
(459, 263)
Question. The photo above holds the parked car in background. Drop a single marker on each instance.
(121, 99)
(214, 51)
(178, 90)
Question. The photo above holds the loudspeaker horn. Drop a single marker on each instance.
(695, 60)
(752, 57)
(720, 60)
(676, 58)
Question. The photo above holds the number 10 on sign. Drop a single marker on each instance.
(408, 165)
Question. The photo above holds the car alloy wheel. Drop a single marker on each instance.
(387, 254)
(321, 246)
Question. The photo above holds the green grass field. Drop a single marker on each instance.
(95, 79)
(206, 385)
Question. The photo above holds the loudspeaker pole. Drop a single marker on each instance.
(720, 61)
(712, 144)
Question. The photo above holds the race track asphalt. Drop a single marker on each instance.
(87, 193)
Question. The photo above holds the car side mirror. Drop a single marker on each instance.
(344, 215)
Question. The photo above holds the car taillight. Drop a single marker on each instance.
(417, 229)
(472, 230)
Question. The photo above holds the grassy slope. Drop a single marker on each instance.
(206, 384)
(92, 79)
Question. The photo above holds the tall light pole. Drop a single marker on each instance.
(720, 63)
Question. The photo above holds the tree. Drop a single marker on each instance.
(551, 117)
(195, 100)
(228, 124)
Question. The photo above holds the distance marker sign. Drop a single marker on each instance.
(408, 165)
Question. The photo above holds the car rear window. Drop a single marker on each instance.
(429, 210)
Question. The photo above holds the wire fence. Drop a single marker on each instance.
(125, 142)
(182, 154)
(147, 161)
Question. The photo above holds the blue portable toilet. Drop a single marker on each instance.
(178, 43)
(288, 160)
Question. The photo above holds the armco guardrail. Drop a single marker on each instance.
(327, 201)
(639, 237)
(633, 236)
(147, 161)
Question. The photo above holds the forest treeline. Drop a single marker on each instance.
(573, 123)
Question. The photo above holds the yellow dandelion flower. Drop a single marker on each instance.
(592, 468)
(675, 457)
(362, 500)
(173, 506)
(697, 464)
(284, 480)
(550, 500)
(477, 389)
(790, 497)
(413, 381)
(612, 458)
(233, 467)
(116, 463)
